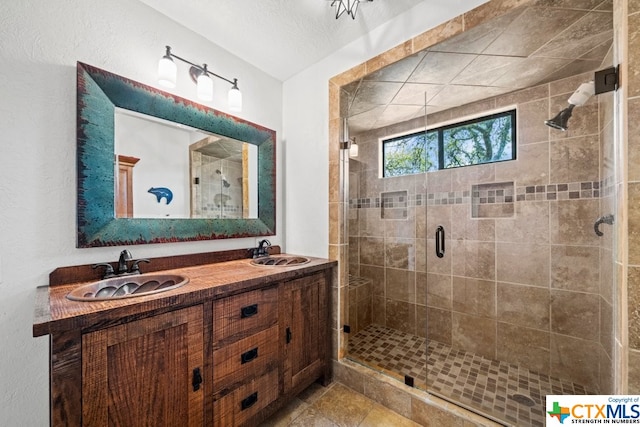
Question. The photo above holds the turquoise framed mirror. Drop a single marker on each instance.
(100, 94)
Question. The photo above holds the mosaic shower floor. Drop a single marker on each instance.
(497, 389)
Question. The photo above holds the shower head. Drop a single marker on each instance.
(560, 121)
(577, 99)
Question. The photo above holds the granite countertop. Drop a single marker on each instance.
(54, 313)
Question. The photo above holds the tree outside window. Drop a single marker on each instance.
(482, 140)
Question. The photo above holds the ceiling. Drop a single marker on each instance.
(541, 42)
(546, 41)
(280, 37)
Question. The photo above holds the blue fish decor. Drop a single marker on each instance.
(161, 192)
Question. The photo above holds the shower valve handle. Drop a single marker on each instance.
(606, 219)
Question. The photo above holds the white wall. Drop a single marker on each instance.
(40, 42)
(306, 118)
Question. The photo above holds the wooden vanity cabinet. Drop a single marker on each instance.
(146, 372)
(227, 360)
(306, 331)
(246, 355)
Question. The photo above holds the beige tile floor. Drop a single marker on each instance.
(335, 405)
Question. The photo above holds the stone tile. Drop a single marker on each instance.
(432, 416)
(575, 268)
(575, 359)
(372, 251)
(524, 263)
(401, 316)
(524, 346)
(606, 327)
(401, 228)
(343, 406)
(387, 395)
(574, 159)
(352, 378)
(634, 222)
(312, 417)
(472, 259)
(530, 224)
(633, 306)
(421, 321)
(535, 93)
(439, 325)
(421, 255)
(399, 253)
(531, 165)
(607, 284)
(468, 228)
(474, 334)
(438, 291)
(364, 316)
(379, 310)
(634, 371)
(474, 296)
(381, 416)
(437, 34)
(608, 374)
(463, 178)
(576, 314)
(571, 222)
(336, 236)
(633, 150)
(523, 305)
(400, 285)
(370, 223)
(531, 116)
(438, 215)
(285, 416)
(376, 275)
(435, 264)
(633, 78)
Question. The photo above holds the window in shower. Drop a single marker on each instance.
(484, 139)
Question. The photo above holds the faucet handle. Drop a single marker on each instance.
(108, 271)
(135, 268)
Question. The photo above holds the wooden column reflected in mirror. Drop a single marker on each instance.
(124, 186)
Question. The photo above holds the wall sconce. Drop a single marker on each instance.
(353, 148)
(167, 73)
(349, 6)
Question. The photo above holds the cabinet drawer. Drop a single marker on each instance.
(244, 314)
(237, 407)
(248, 358)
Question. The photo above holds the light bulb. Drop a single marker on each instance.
(234, 99)
(167, 71)
(353, 150)
(205, 87)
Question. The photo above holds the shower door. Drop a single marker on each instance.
(518, 293)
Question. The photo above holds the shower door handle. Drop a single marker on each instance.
(440, 241)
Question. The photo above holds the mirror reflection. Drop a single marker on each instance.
(169, 170)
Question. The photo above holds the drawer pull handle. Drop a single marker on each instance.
(249, 401)
(196, 380)
(248, 356)
(249, 311)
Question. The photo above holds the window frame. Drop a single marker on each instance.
(440, 128)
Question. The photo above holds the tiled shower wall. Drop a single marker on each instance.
(520, 282)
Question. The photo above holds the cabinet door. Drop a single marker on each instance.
(145, 373)
(305, 330)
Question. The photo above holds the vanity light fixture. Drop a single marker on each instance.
(349, 6)
(200, 74)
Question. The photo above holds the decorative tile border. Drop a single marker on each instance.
(525, 193)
